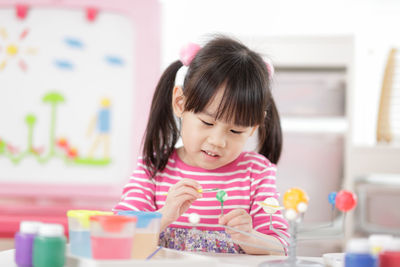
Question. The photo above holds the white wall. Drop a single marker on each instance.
(373, 23)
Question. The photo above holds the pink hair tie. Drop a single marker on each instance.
(270, 67)
(188, 52)
(186, 55)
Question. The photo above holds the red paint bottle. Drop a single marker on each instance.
(390, 257)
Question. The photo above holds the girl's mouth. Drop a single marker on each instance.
(210, 153)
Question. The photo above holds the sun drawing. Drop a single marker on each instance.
(14, 50)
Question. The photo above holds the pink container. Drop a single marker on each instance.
(112, 236)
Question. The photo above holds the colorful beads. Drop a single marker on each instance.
(346, 200)
(293, 197)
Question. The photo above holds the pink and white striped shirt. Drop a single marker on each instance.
(246, 180)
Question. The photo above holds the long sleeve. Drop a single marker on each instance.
(263, 186)
(139, 192)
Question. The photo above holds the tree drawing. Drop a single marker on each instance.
(30, 120)
(53, 98)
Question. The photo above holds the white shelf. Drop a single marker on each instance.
(305, 50)
(313, 82)
(330, 125)
(379, 159)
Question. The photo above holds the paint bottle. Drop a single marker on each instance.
(79, 231)
(24, 242)
(145, 240)
(390, 257)
(112, 236)
(358, 254)
(377, 243)
(49, 246)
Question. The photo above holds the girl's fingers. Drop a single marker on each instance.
(232, 215)
(183, 203)
(184, 197)
(185, 184)
(239, 220)
(189, 183)
(185, 190)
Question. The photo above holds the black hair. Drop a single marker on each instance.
(247, 100)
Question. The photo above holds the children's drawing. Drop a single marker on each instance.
(60, 147)
(55, 77)
(114, 60)
(14, 49)
(63, 64)
(102, 123)
(74, 43)
(71, 43)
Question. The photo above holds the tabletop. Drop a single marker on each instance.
(168, 257)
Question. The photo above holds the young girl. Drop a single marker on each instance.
(214, 104)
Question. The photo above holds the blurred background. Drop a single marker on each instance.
(336, 86)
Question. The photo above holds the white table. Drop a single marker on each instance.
(165, 258)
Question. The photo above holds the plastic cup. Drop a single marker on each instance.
(79, 231)
(112, 236)
(147, 232)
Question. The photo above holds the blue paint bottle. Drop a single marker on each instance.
(358, 254)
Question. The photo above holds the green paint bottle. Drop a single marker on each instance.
(49, 246)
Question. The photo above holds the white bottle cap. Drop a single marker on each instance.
(51, 230)
(393, 245)
(379, 242)
(29, 227)
(358, 245)
(379, 239)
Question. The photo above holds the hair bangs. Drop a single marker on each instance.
(242, 107)
(202, 87)
(243, 100)
(231, 67)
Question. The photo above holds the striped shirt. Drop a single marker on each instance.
(248, 179)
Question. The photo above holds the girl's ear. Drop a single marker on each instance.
(178, 101)
(256, 127)
(253, 130)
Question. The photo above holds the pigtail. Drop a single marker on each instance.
(161, 132)
(270, 134)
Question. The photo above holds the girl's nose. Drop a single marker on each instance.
(217, 138)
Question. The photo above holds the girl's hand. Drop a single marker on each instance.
(180, 196)
(239, 219)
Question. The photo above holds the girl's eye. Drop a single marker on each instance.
(206, 123)
(236, 132)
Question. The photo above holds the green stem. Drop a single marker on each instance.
(52, 129)
(30, 137)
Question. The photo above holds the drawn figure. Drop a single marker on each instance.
(102, 123)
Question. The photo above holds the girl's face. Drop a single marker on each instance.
(208, 143)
